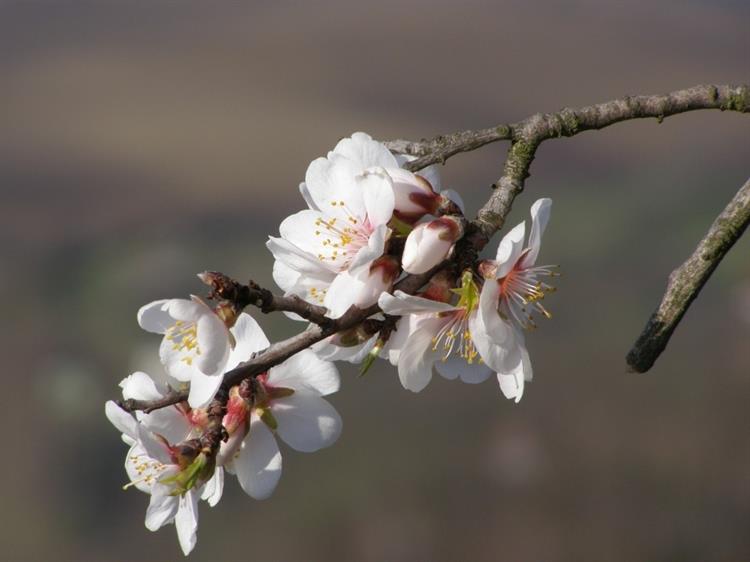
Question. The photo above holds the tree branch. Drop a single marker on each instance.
(686, 281)
(568, 122)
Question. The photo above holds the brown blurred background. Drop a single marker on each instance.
(142, 142)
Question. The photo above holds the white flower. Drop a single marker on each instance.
(429, 243)
(352, 195)
(196, 343)
(174, 484)
(288, 402)
(437, 333)
(198, 347)
(511, 293)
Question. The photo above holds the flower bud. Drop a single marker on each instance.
(429, 243)
(414, 196)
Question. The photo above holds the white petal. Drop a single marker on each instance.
(457, 366)
(454, 196)
(258, 464)
(360, 288)
(416, 358)
(249, 338)
(512, 382)
(153, 447)
(213, 342)
(203, 389)
(403, 329)
(426, 246)
(305, 372)
(328, 350)
(214, 488)
(154, 317)
(377, 192)
(187, 310)
(172, 358)
(365, 151)
(306, 422)
(307, 197)
(331, 180)
(400, 304)
(124, 422)
(295, 258)
(140, 386)
(494, 338)
(374, 248)
(432, 174)
(186, 521)
(540, 213)
(509, 250)
(161, 510)
(305, 231)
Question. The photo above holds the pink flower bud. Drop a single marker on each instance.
(429, 243)
(414, 196)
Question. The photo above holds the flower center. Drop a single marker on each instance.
(342, 238)
(146, 469)
(184, 338)
(455, 334)
(521, 292)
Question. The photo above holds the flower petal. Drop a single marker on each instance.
(377, 193)
(509, 250)
(306, 422)
(186, 521)
(161, 510)
(307, 197)
(203, 389)
(305, 372)
(214, 488)
(494, 338)
(400, 304)
(373, 250)
(249, 338)
(331, 180)
(187, 310)
(540, 213)
(296, 258)
(154, 317)
(328, 350)
(258, 464)
(123, 421)
(365, 151)
(416, 358)
(172, 357)
(473, 373)
(213, 342)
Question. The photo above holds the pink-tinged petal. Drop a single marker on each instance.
(509, 250)
(306, 422)
(249, 338)
(258, 464)
(540, 213)
(417, 357)
(365, 151)
(305, 372)
(307, 197)
(400, 304)
(214, 488)
(493, 337)
(377, 193)
(213, 342)
(161, 510)
(186, 521)
(123, 421)
(331, 180)
(203, 389)
(428, 244)
(373, 250)
(187, 310)
(154, 317)
(413, 194)
(458, 367)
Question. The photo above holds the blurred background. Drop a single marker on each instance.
(143, 142)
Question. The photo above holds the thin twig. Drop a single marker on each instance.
(686, 281)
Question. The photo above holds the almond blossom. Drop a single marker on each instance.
(511, 294)
(174, 478)
(429, 243)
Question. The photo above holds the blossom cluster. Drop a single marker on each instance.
(369, 221)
